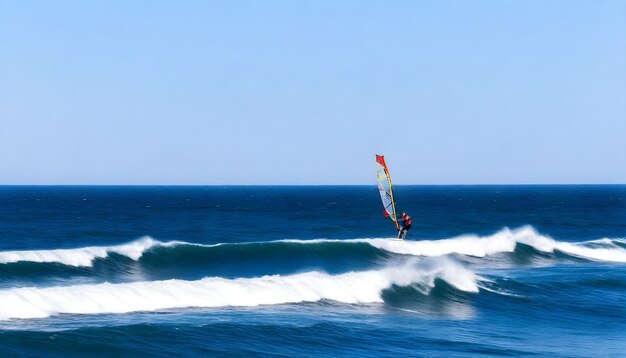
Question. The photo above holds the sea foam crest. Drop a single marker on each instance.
(504, 240)
(80, 257)
(350, 288)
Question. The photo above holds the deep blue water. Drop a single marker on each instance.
(310, 271)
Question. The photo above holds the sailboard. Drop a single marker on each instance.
(386, 190)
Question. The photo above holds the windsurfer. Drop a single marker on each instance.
(405, 225)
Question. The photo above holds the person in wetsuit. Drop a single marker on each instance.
(405, 225)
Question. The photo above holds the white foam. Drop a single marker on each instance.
(80, 257)
(615, 254)
(472, 245)
(504, 240)
(351, 288)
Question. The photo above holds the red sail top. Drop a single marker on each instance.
(381, 160)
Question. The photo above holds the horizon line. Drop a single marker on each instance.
(304, 185)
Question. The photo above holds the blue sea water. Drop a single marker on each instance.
(311, 271)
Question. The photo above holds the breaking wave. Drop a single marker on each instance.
(79, 257)
(351, 288)
(503, 241)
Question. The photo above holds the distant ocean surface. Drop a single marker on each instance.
(309, 271)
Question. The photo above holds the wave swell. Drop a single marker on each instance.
(503, 241)
(80, 257)
(350, 288)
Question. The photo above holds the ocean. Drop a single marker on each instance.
(309, 271)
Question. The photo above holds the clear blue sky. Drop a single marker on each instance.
(306, 92)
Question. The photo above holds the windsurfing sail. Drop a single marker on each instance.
(385, 189)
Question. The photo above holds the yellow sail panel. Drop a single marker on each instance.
(386, 190)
